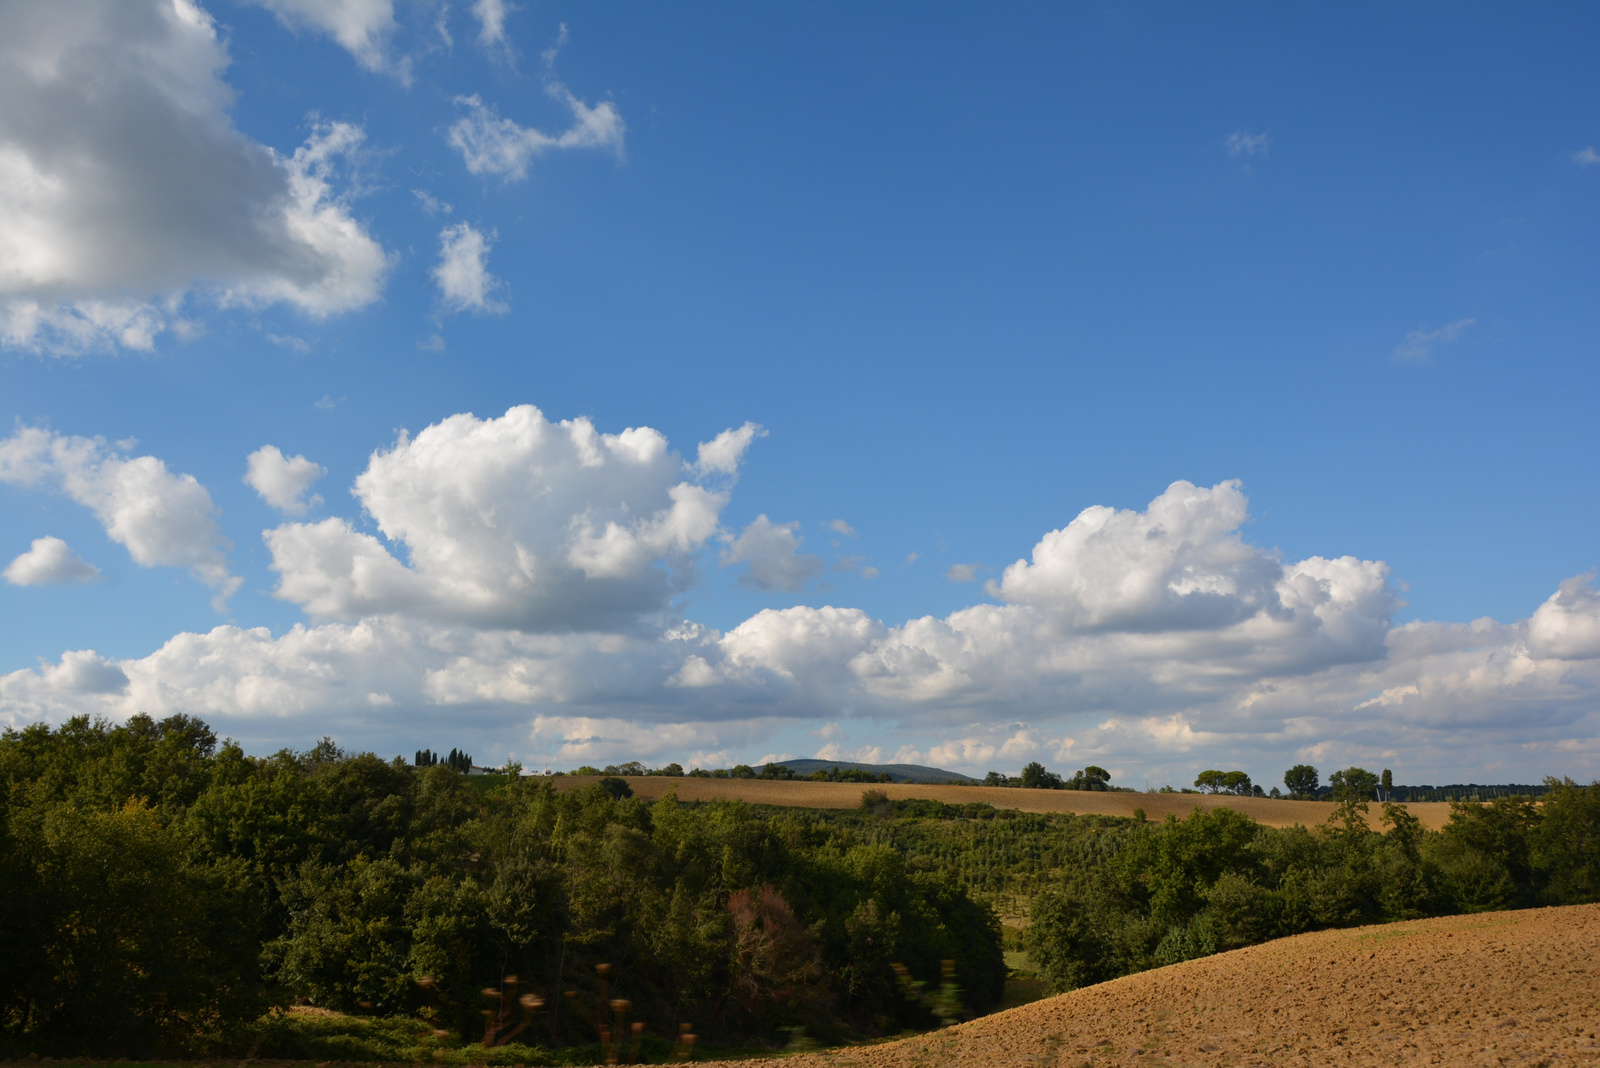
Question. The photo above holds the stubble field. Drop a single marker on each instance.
(806, 794)
(1502, 988)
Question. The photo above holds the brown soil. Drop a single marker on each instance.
(1503, 988)
(802, 794)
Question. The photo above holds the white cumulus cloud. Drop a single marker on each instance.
(724, 453)
(1567, 626)
(125, 188)
(462, 273)
(509, 522)
(163, 519)
(50, 562)
(1180, 563)
(523, 577)
(282, 481)
(772, 554)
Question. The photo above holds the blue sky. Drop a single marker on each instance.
(971, 269)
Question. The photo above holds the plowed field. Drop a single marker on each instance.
(803, 794)
(1504, 988)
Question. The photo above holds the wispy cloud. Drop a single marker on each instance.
(290, 342)
(430, 203)
(1419, 343)
(491, 16)
(362, 27)
(1588, 157)
(856, 564)
(1241, 143)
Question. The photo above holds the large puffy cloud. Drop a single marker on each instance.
(524, 592)
(124, 185)
(1180, 564)
(163, 519)
(1122, 610)
(796, 657)
(1567, 626)
(513, 522)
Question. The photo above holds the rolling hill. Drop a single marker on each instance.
(1488, 989)
(901, 772)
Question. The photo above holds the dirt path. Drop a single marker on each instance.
(1506, 988)
(803, 794)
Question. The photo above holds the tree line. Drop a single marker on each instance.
(769, 770)
(160, 891)
(1035, 776)
(1158, 894)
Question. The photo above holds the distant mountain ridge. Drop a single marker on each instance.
(900, 772)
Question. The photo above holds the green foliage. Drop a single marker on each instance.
(458, 760)
(1302, 782)
(1565, 846)
(1224, 782)
(1218, 880)
(1035, 777)
(1090, 778)
(118, 936)
(159, 893)
(1353, 784)
(841, 775)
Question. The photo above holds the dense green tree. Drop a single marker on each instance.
(1092, 777)
(1302, 782)
(1565, 845)
(1353, 784)
(1035, 777)
(1223, 782)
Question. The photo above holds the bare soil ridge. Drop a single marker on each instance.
(803, 794)
(1497, 988)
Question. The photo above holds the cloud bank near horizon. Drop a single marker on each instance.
(522, 586)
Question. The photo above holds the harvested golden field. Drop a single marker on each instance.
(805, 794)
(1502, 988)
